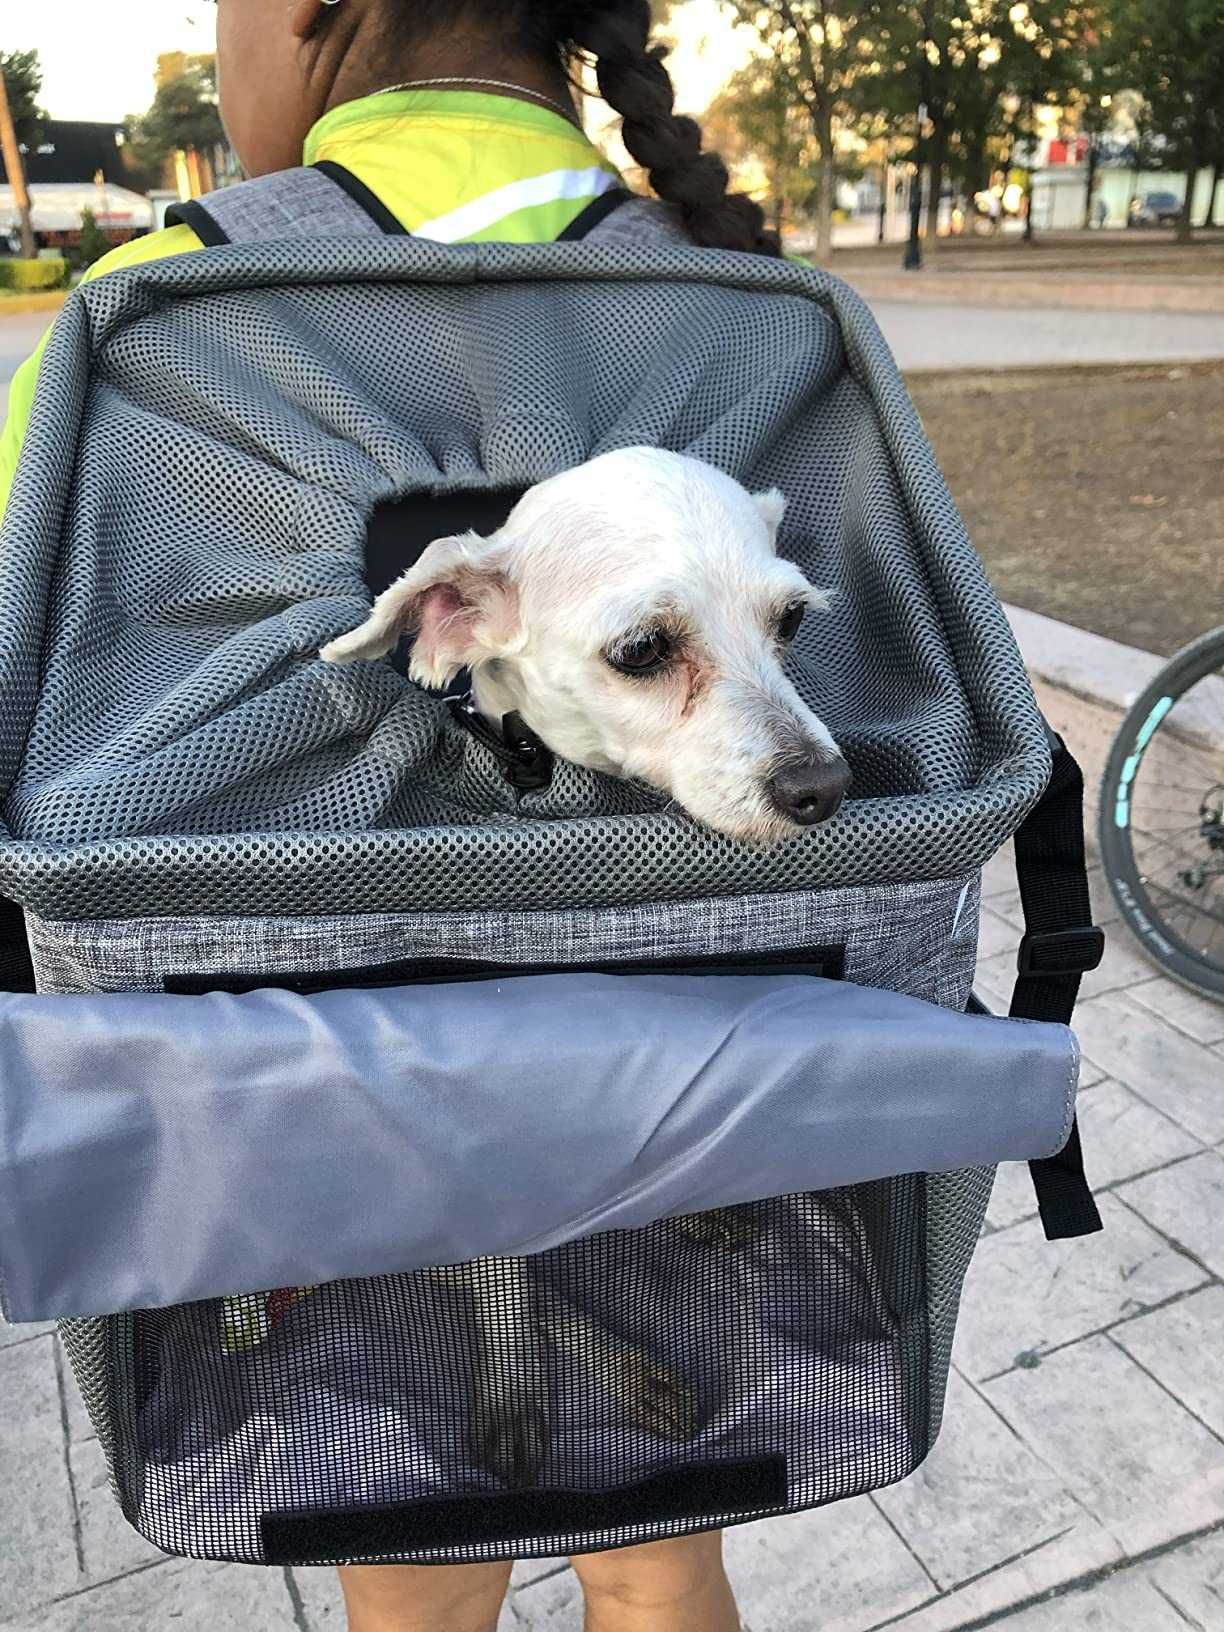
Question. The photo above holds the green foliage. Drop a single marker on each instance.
(758, 117)
(27, 277)
(93, 244)
(23, 81)
(1172, 53)
(183, 115)
(980, 67)
(814, 52)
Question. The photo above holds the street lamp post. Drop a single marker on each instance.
(913, 249)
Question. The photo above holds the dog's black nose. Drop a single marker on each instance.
(810, 790)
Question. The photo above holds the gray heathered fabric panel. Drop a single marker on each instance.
(501, 1118)
(299, 204)
(190, 754)
(919, 939)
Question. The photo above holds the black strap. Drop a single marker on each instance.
(362, 196)
(1060, 945)
(599, 209)
(526, 763)
(190, 213)
(16, 969)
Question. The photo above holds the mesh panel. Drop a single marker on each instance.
(190, 753)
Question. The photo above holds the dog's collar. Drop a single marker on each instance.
(526, 763)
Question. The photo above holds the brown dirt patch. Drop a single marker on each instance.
(1095, 495)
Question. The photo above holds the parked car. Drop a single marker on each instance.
(1154, 210)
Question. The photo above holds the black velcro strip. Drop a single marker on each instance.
(827, 962)
(708, 1490)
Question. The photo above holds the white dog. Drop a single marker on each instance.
(633, 612)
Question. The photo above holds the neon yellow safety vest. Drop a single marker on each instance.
(456, 166)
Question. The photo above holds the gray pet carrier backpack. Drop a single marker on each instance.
(433, 1151)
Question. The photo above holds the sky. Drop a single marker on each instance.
(98, 60)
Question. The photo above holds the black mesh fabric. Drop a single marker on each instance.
(793, 1329)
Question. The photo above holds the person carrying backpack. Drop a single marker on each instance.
(455, 120)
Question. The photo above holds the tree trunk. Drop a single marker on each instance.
(939, 159)
(16, 174)
(1217, 175)
(824, 207)
(1090, 189)
(1185, 225)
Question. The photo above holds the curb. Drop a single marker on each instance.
(1089, 666)
(49, 300)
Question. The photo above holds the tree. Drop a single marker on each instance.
(183, 116)
(982, 67)
(818, 48)
(23, 79)
(93, 243)
(1172, 53)
(756, 117)
(20, 83)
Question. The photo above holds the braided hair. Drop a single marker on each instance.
(614, 35)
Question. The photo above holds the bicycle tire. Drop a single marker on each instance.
(1158, 940)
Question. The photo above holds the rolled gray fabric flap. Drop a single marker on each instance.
(158, 1149)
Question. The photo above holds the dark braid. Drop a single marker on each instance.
(632, 78)
(635, 84)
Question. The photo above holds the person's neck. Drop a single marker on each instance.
(462, 66)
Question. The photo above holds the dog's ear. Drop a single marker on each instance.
(772, 506)
(459, 601)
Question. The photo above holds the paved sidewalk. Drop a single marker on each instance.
(1079, 1481)
(926, 335)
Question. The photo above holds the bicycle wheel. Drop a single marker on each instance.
(1162, 817)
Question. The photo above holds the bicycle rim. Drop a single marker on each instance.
(1162, 817)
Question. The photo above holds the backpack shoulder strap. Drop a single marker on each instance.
(315, 201)
(325, 200)
(1060, 945)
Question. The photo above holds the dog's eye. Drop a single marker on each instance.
(788, 623)
(643, 656)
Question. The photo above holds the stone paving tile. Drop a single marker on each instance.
(1164, 1066)
(1120, 968)
(1139, 1463)
(1186, 1201)
(840, 1568)
(1192, 1578)
(79, 1425)
(10, 1334)
(1180, 1346)
(995, 936)
(109, 1544)
(981, 1497)
(1196, 1016)
(1122, 1137)
(553, 1604)
(999, 873)
(38, 1558)
(183, 1594)
(1025, 1295)
(1126, 1602)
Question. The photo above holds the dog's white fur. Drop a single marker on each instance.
(635, 541)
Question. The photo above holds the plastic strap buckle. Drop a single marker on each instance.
(1061, 951)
